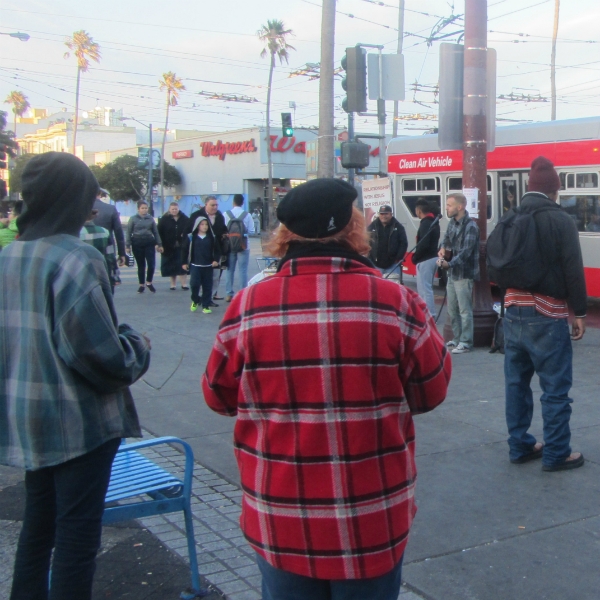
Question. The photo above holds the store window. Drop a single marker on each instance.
(584, 210)
(417, 188)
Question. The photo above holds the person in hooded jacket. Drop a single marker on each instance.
(388, 241)
(65, 370)
(425, 254)
(203, 253)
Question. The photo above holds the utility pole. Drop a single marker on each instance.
(325, 143)
(400, 42)
(475, 154)
(553, 60)
(150, 167)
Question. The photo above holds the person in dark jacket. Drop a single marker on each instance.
(216, 222)
(171, 228)
(143, 239)
(536, 331)
(425, 254)
(388, 241)
(203, 253)
(108, 217)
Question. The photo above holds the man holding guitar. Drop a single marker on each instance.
(459, 254)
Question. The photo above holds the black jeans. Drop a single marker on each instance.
(201, 277)
(63, 510)
(144, 255)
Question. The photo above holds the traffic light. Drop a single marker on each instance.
(355, 155)
(354, 83)
(286, 125)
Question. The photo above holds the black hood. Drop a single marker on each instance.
(58, 192)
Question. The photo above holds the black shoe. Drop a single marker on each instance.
(213, 304)
(151, 288)
(141, 289)
(215, 297)
(566, 465)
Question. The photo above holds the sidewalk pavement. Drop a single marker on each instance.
(485, 530)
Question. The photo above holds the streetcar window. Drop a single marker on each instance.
(586, 180)
(578, 180)
(429, 185)
(434, 201)
(455, 185)
(409, 185)
(584, 210)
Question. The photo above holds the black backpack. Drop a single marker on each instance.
(515, 253)
(238, 242)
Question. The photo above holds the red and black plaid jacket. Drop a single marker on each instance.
(324, 364)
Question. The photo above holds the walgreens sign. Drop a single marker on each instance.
(222, 149)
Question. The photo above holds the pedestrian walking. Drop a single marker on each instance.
(8, 226)
(239, 226)
(171, 229)
(536, 329)
(143, 239)
(109, 218)
(426, 252)
(325, 435)
(99, 238)
(203, 254)
(459, 255)
(388, 241)
(65, 368)
(256, 218)
(216, 222)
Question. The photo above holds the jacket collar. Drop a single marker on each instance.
(323, 257)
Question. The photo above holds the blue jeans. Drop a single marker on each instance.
(425, 274)
(283, 585)
(460, 309)
(145, 255)
(201, 277)
(63, 510)
(534, 343)
(241, 259)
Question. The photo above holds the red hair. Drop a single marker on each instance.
(354, 236)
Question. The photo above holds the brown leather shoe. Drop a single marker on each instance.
(228, 298)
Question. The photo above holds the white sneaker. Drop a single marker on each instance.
(451, 344)
(461, 349)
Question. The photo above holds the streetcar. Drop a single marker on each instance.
(418, 169)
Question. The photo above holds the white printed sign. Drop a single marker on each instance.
(375, 193)
(472, 196)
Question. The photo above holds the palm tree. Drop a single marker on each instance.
(20, 106)
(274, 34)
(173, 85)
(85, 49)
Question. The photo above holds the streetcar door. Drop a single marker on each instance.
(509, 193)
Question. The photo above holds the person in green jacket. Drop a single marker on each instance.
(8, 226)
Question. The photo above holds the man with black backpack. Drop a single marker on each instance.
(540, 287)
(239, 224)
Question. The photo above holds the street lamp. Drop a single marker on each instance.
(150, 161)
(20, 36)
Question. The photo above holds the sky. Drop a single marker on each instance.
(213, 47)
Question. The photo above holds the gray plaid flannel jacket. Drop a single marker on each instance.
(463, 238)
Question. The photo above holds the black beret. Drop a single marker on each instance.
(318, 208)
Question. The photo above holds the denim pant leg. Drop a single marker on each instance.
(463, 289)
(453, 310)
(206, 281)
(195, 283)
(283, 585)
(150, 251)
(425, 275)
(230, 273)
(518, 371)
(71, 521)
(243, 259)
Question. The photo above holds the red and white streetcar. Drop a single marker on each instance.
(420, 170)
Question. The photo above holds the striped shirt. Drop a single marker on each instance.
(324, 364)
(545, 305)
(65, 362)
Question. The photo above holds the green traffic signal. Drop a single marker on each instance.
(288, 132)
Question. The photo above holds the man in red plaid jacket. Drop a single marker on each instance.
(324, 365)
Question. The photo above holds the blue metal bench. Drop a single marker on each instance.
(135, 475)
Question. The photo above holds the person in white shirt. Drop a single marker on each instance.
(241, 255)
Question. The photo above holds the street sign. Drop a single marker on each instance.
(393, 76)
